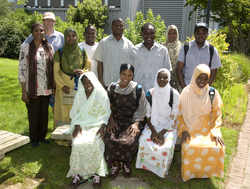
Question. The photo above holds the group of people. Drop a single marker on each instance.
(127, 99)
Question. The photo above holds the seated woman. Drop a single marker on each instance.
(199, 122)
(158, 139)
(69, 61)
(128, 105)
(90, 114)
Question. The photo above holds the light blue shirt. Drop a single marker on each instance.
(56, 39)
(196, 56)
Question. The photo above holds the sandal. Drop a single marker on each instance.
(114, 172)
(127, 172)
(75, 181)
(97, 183)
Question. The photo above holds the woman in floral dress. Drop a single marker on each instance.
(90, 114)
(158, 139)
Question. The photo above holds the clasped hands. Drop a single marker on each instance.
(157, 138)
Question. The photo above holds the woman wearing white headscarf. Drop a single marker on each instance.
(199, 121)
(158, 139)
(90, 114)
(173, 45)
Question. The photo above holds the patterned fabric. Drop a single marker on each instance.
(23, 74)
(200, 157)
(155, 158)
(173, 50)
(87, 156)
(120, 145)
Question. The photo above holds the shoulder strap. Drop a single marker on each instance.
(171, 99)
(149, 97)
(112, 88)
(138, 93)
(211, 50)
(186, 47)
(60, 51)
(211, 94)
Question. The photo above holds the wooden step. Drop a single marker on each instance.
(58, 134)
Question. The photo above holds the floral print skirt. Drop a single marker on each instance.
(153, 157)
(87, 155)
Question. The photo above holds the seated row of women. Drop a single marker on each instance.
(110, 127)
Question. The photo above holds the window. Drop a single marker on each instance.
(112, 3)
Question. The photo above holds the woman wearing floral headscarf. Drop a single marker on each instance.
(69, 61)
(199, 122)
(173, 45)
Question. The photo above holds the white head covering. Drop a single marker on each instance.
(92, 111)
(160, 108)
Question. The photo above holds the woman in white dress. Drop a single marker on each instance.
(156, 144)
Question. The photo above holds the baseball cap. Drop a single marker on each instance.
(201, 24)
(49, 15)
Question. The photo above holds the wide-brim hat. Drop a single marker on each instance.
(49, 15)
(201, 24)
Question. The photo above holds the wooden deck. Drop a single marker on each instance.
(10, 141)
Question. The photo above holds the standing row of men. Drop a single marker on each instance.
(147, 57)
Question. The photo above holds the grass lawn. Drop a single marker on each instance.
(50, 163)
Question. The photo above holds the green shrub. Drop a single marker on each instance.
(133, 28)
(91, 10)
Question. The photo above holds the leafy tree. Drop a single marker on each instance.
(234, 15)
(22, 2)
(91, 10)
(5, 7)
(133, 28)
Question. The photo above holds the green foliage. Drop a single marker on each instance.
(235, 17)
(91, 10)
(133, 28)
(22, 2)
(5, 7)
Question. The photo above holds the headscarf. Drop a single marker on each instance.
(174, 47)
(160, 102)
(32, 58)
(195, 101)
(72, 55)
(92, 111)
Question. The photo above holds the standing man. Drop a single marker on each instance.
(55, 38)
(199, 52)
(148, 57)
(90, 45)
(111, 52)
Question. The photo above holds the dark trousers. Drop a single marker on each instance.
(38, 117)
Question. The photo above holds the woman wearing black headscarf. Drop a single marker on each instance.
(36, 78)
(128, 105)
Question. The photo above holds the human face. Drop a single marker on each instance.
(48, 23)
(162, 79)
(88, 86)
(38, 33)
(71, 38)
(126, 76)
(90, 35)
(148, 35)
(202, 80)
(200, 35)
(172, 35)
(118, 27)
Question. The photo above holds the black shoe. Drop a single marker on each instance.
(45, 141)
(114, 172)
(34, 144)
(127, 172)
(97, 183)
(75, 181)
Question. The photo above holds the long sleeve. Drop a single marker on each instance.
(23, 64)
(141, 111)
(87, 66)
(57, 75)
(180, 123)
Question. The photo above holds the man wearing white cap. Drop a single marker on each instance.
(55, 38)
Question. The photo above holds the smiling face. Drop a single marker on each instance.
(88, 86)
(125, 76)
(48, 23)
(90, 35)
(148, 35)
(200, 35)
(202, 80)
(118, 27)
(38, 33)
(172, 35)
(162, 79)
(71, 38)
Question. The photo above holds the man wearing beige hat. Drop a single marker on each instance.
(55, 38)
